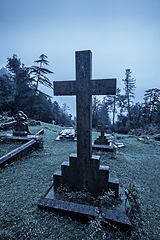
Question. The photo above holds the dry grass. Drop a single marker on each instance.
(24, 182)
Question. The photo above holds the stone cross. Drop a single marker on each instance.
(103, 127)
(83, 163)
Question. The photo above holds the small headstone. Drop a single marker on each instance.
(102, 140)
(102, 143)
(21, 126)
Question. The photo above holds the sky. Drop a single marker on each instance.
(121, 34)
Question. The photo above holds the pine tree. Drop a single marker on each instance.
(22, 90)
(38, 75)
(129, 91)
(152, 99)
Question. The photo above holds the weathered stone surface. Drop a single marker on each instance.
(82, 171)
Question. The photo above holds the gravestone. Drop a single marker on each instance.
(102, 143)
(102, 138)
(21, 126)
(83, 171)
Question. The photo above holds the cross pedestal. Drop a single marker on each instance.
(83, 171)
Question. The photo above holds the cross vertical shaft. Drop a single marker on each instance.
(83, 108)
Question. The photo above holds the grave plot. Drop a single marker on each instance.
(67, 134)
(83, 171)
(23, 144)
(19, 152)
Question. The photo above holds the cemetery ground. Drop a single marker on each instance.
(24, 182)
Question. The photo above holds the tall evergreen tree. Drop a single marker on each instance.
(152, 99)
(105, 113)
(56, 112)
(6, 96)
(129, 91)
(22, 93)
(38, 75)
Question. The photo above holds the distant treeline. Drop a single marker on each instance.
(125, 114)
(19, 91)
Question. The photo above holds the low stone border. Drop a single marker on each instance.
(40, 132)
(116, 217)
(8, 125)
(19, 152)
(33, 142)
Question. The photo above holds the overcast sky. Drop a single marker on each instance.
(120, 33)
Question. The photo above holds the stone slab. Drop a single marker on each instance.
(119, 144)
(108, 148)
(18, 138)
(66, 134)
(117, 217)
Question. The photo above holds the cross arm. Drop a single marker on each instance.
(103, 87)
(62, 88)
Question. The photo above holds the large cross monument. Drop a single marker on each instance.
(83, 171)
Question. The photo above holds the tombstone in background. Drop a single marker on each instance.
(83, 171)
(102, 143)
(21, 126)
(102, 138)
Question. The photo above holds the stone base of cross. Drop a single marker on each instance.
(83, 171)
(97, 180)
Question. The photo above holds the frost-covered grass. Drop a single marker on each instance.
(8, 146)
(24, 182)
